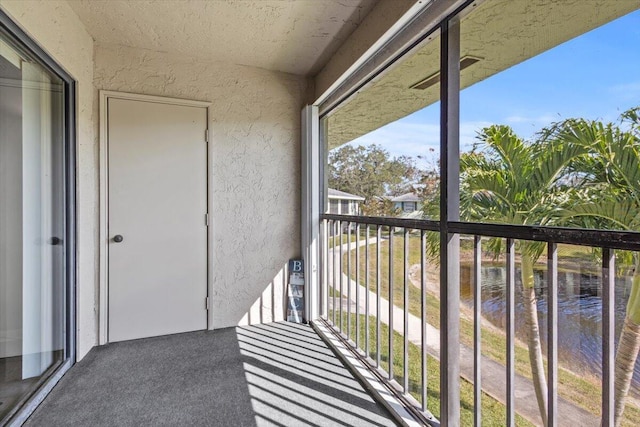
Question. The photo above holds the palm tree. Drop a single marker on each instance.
(514, 182)
(610, 198)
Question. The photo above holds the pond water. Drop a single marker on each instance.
(579, 313)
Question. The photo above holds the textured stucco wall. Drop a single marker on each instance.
(255, 125)
(59, 31)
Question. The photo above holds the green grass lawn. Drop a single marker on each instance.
(493, 412)
(582, 391)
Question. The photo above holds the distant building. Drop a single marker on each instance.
(343, 203)
(408, 202)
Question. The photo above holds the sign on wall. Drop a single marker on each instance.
(295, 291)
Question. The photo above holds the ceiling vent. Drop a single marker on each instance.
(465, 62)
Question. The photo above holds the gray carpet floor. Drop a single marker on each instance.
(279, 374)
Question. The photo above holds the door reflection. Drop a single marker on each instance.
(31, 225)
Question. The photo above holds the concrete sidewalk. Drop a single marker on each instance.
(493, 373)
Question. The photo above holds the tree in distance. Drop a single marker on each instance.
(371, 172)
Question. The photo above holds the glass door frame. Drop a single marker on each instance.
(29, 402)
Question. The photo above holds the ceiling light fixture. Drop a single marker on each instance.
(465, 62)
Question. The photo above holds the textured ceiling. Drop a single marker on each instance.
(502, 33)
(293, 36)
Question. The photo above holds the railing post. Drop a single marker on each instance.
(423, 316)
(334, 272)
(340, 272)
(357, 284)
(405, 306)
(608, 334)
(378, 298)
(324, 270)
(510, 332)
(366, 293)
(477, 331)
(552, 332)
(391, 304)
(349, 280)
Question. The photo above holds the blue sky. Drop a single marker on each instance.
(595, 76)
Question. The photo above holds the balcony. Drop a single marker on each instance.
(411, 321)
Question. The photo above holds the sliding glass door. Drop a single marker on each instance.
(33, 225)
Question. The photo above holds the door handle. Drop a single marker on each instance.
(118, 238)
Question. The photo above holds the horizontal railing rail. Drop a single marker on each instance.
(612, 239)
(417, 224)
(625, 240)
(352, 273)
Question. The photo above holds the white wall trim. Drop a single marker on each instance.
(105, 94)
(310, 224)
(103, 302)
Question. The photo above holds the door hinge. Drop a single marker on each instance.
(206, 219)
(206, 135)
(206, 303)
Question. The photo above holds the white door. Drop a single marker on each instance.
(157, 178)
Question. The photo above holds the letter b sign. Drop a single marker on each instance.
(295, 265)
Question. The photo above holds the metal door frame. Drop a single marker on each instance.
(11, 29)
